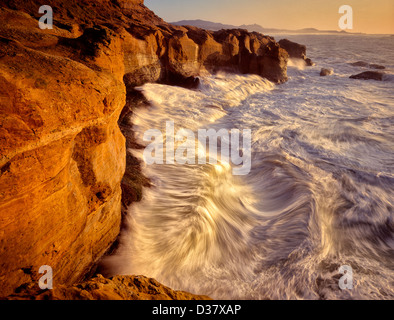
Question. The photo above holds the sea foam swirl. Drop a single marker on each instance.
(319, 194)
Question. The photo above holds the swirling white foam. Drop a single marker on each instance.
(320, 193)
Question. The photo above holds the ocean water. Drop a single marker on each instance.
(320, 193)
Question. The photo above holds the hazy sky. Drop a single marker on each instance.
(369, 16)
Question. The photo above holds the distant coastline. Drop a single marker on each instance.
(215, 26)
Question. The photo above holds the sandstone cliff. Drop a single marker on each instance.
(62, 91)
(62, 155)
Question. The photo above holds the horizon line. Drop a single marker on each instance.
(293, 30)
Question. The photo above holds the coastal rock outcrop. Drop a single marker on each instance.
(326, 72)
(367, 65)
(296, 51)
(100, 288)
(62, 100)
(369, 75)
(174, 55)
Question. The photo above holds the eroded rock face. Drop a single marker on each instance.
(100, 288)
(62, 155)
(128, 4)
(296, 50)
(251, 53)
(175, 54)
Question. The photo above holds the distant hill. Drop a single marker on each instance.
(215, 26)
(208, 25)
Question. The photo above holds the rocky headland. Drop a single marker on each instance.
(65, 98)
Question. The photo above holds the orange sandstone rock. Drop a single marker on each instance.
(116, 288)
(62, 155)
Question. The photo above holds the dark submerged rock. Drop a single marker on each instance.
(326, 72)
(369, 75)
(367, 65)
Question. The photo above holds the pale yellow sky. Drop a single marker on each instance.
(375, 16)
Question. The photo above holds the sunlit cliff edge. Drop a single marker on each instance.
(62, 154)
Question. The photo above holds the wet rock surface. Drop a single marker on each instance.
(369, 75)
(296, 51)
(326, 72)
(100, 288)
